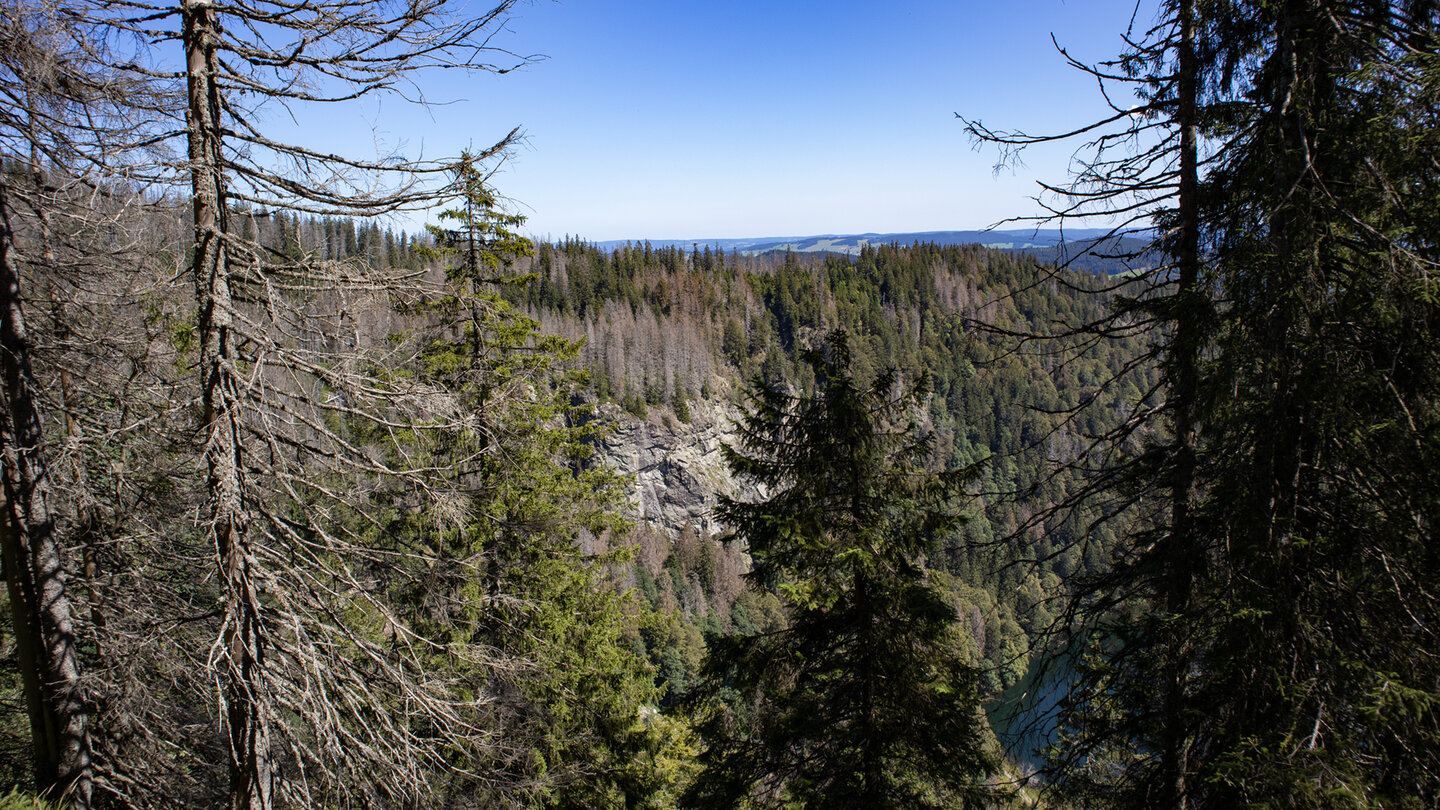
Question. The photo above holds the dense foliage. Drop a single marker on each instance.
(667, 329)
(1261, 633)
(863, 699)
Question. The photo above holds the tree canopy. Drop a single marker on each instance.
(865, 699)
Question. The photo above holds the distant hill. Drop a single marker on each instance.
(1050, 245)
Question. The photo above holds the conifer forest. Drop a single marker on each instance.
(303, 510)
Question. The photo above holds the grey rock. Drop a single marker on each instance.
(677, 470)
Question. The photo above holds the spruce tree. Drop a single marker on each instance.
(1260, 633)
(1123, 644)
(276, 399)
(863, 700)
(1322, 661)
(514, 578)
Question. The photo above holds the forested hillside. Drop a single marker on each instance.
(636, 336)
(302, 512)
(669, 333)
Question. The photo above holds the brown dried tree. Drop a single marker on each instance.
(325, 691)
(71, 128)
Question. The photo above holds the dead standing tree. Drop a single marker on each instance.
(34, 565)
(71, 128)
(325, 690)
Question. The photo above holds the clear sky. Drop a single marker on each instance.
(681, 120)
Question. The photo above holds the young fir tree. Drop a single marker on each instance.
(518, 581)
(864, 700)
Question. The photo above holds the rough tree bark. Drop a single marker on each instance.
(242, 649)
(34, 560)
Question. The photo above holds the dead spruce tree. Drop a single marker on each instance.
(325, 692)
(73, 129)
(40, 603)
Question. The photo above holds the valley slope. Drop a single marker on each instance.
(673, 338)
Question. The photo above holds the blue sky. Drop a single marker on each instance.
(685, 120)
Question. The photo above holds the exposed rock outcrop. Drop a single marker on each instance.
(678, 470)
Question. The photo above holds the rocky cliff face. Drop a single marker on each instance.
(678, 471)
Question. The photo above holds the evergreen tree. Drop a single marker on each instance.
(517, 580)
(863, 700)
(1322, 664)
(1235, 651)
(1124, 646)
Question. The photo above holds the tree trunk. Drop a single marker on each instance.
(34, 561)
(243, 640)
(87, 533)
(1182, 557)
(871, 753)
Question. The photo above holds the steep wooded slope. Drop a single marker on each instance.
(672, 338)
